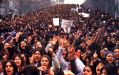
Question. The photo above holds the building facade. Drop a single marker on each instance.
(107, 6)
(21, 6)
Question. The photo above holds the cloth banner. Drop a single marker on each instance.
(86, 15)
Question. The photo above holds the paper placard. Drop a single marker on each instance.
(56, 21)
(66, 25)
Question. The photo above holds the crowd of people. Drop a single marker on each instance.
(31, 45)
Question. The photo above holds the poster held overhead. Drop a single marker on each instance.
(56, 21)
(66, 25)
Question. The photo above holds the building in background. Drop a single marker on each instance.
(108, 6)
(3, 6)
(32, 5)
(17, 7)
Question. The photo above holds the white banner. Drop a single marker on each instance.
(56, 21)
(86, 15)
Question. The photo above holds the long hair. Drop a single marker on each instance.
(49, 59)
(15, 70)
(22, 62)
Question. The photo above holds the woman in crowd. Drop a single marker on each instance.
(36, 57)
(36, 39)
(23, 48)
(116, 56)
(4, 56)
(99, 66)
(22, 55)
(102, 54)
(110, 63)
(87, 70)
(103, 71)
(109, 57)
(51, 67)
(18, 61)
(45, 65)
(95, 63)
(37, 45)
(10, 68)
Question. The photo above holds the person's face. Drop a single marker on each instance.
(83, 45)
(44, 62)
(5, 57)
(9, 68)
(37, 56)
(102, 53)
(6, 45)
(99, 67)
(110, 58)
(78, 53)
(108, 39)
(104, 72)
(17, 61)
(11, 41)
(87, 71)
(29, 39)
(64, 53)
(23, 44)
(23, 57)
(116, 53)
(38, 45)
(71, 53)
(35, 40)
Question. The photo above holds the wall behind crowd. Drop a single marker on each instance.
(107, 6)
(8, 7)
